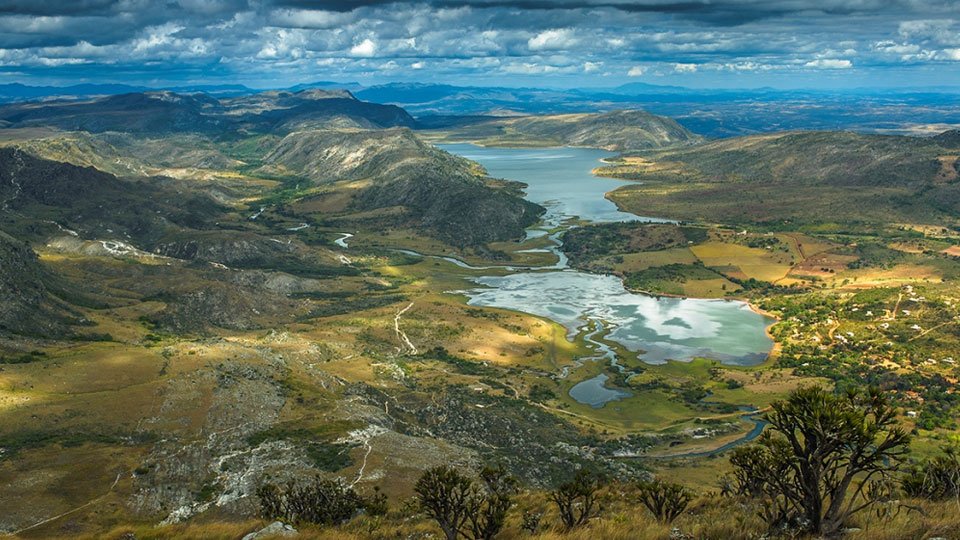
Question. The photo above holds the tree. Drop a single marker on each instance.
(937, 478)
(461, 507)
(445, 495)
(665, 500)
(823, 456)
(327, 502)
(488, 511)
(747, 461)
(576, 500)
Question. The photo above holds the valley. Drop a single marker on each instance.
(281, 285)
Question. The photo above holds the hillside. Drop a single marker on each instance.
(43, 195)
(168, 112)
(806, 177)
(29, 306)
(395, 169)
(616, 131)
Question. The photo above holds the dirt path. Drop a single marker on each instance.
(68, 512)
(405, 344)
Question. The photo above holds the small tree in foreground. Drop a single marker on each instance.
(665, 500)
(576, 500)
(822, 457)
(937, 478)
(488, 509)
(461, 507)
(326, 502)
(444, 494)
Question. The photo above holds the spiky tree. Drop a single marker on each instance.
(576, 500)
(446, 496)
(665, 500)
(823, 453)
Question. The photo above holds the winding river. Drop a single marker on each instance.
(656, 328)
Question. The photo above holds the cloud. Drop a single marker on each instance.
(829, 63)
(365, 48)
(308, 18)
(553, 40)
(143, 40)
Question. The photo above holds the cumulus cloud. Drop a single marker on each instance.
(178, 39)
(829, 63)
(552, 40)
(365, 48)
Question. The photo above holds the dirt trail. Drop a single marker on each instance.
(68, 512)
(405, 344)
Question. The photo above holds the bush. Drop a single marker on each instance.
(577, 500)
(665, 500)
(936, 479)
(461, 507)
(823, 459)
(325, 502)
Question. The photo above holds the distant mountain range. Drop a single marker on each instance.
(708, 112)
(166, 112)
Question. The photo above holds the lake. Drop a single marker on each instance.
(656, 328)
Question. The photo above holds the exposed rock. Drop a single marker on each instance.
(277, 529)
(439, 192)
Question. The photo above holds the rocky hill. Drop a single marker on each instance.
(29, 306)
(168, 112)
(810, 176)
(615, 131)
(44, 193)
(439, 192)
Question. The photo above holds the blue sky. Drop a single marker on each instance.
(567, 43)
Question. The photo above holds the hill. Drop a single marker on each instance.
(30, 305)
(804, 177)
(617, 131)
(168, 112)
(396, 170)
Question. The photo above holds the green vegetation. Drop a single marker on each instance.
(616, 130)
(796, 180)
(826, 458)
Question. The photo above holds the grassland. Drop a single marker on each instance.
(359, 363)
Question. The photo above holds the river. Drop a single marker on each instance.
(656, 328)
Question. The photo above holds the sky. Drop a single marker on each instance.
(566, 43)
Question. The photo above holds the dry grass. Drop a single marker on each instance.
(708, 517)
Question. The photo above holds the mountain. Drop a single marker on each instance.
(288, 111)
(615, 131)
(92, 203)
(948, 139)
(27, 294)
(22, 92)
(397, 170)
(149, 112)
(168, 112)
(809, 177)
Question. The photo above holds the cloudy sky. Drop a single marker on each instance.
(566, 43)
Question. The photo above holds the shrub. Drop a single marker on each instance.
(488, 512)
(461, 507)
(665, 500)
(325, 502)
(444, 494)
(937, 478)
(577, 500)
(823, 457)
